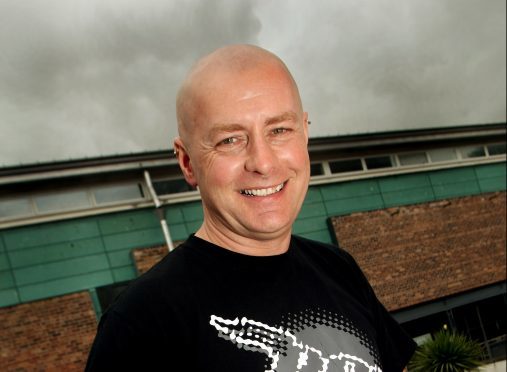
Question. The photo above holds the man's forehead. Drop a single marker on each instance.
(232, 72)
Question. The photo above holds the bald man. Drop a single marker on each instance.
(243, 293)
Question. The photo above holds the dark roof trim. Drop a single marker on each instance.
(166, 157)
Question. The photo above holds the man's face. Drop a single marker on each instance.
(248, 153)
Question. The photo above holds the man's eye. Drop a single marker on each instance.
(228, 141)
(279, 130)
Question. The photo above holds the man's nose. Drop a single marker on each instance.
(261, 157)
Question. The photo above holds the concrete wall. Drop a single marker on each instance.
(495, 367)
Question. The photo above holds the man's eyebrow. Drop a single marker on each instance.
(224, 128)
(286, 116)
(232, 127)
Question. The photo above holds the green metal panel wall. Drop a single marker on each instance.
(51, 259)
(56, 258)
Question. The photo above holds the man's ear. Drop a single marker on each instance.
(184, 161)
(305, 125)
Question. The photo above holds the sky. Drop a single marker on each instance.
(87, 78)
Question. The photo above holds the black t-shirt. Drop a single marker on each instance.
(206, 308)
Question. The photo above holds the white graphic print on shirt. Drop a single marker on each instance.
(310, 341)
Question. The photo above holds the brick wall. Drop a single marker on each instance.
(422, 252)
(47, 335)
(145, 258)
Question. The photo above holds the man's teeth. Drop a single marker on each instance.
(263, 192)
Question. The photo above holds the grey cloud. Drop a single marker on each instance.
(90, 77)
(386, 65)
(102, 76)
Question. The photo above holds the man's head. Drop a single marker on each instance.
(243, 141)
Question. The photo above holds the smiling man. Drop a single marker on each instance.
(243, 141)
(242, 293)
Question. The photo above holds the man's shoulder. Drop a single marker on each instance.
(161, 286)
(327, 257)
(313, 246)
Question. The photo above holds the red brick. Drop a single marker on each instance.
(47, 335)
(423, 252)
(145, 258)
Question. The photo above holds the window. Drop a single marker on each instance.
(482, 320)
(343, 166)
(496, 149)
(62, 201)
(413, 158)
(472, 151)
(438, 155)
(378, 162)
(316, 169)
(116, 193)
(171, 186)
(15, 207)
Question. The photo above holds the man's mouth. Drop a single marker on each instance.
(263, 192)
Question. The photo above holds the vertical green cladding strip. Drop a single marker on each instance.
(9, 297)
(184, 219)
(4, 263)
(9, 294)
(406, 189)
(454, 183)
(173, 214)
(492, 177)
(2, 245)
(123, 232)
(313, 212)
(192, 212)
(125, 222)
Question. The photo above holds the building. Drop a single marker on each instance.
(422, 211)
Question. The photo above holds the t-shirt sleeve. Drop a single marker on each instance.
(395, 345)
(117, 346)
(123, 345)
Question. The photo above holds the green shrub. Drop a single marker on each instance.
(447, 352)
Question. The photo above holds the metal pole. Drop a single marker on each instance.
(159, 211)
(483, 331)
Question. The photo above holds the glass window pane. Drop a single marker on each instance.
(15, 207)
(496, 149)
(413, 159)
(342, 166)
(116, 193)
(171, 186)
(62, 201)
(442, 155)
(378, 162)
(472, 151)
(316, 169)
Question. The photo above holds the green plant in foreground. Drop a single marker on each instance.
(447, 352)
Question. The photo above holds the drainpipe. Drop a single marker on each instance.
(159, 211)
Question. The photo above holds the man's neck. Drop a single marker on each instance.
(248, 245)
